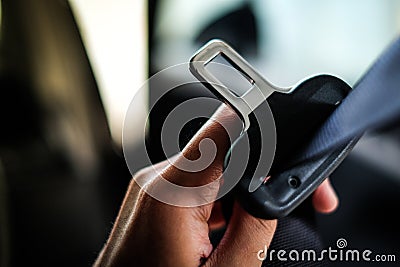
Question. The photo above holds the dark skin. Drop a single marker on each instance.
(148, 232)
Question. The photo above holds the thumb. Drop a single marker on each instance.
(202, 158)
(244, 238)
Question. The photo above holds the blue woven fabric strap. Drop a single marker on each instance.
(374, 102)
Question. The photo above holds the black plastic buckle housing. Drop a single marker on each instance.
(298, 113)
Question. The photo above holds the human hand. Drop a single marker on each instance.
(148, 232)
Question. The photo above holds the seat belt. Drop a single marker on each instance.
(316, 135)
(374, 102)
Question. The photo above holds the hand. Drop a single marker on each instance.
(148, 232)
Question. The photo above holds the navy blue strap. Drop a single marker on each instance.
(374, 102)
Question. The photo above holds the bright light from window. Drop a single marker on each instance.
(115, 37)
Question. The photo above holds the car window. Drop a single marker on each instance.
(115, 37)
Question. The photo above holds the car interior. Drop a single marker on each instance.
(62, 169)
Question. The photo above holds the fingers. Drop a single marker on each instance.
(324, 198)
(244, 238)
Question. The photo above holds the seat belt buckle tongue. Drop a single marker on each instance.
(250, 100)
(297, 112)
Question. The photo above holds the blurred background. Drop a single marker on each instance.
(68, 70)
